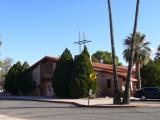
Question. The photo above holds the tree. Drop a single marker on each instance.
(150, 74)
(157, 57)
(25, 80)
(12, 79)
(8, 84)
(104, 56)
(141, 52)
(62, 75)
(18, 81)
(116, 99)
(25, 65)
(5, 65)
(81, 81)
(127, 87)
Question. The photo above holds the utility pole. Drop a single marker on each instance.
(81, 42)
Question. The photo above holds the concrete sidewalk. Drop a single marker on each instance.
(108, 103)
(82, 101)
(98, 102)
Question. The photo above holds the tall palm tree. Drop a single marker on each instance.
(116, 99)
(127, 87)
(141, 52)
(157, 57)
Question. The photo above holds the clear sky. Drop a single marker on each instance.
(32, 29)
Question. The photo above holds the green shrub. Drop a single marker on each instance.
(150, 74)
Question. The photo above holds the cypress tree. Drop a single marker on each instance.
(81, 81)
(8, 84)
(18, 81)
(25, 80)
(12, 84)
(62, 75)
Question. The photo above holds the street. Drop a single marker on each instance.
(32, 110)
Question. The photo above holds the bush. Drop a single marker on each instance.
(150, 74)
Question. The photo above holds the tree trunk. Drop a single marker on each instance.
(116, 99)
(129, 74)
(138, 74)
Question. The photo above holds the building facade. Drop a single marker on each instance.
(105, 81)
(43, 71)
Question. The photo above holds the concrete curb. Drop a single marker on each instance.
(107, 106)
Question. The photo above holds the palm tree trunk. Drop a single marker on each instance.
(116, 99)
(127, 87)
(138, 74)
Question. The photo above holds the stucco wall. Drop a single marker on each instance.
(36, 74)
(47, 70)
(36, 80)
(102, 88)
(46, 74)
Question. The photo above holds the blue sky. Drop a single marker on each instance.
(32, 29)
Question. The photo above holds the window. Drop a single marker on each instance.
(150, 89)
(108, 83)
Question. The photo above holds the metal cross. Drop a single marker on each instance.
(81, 42)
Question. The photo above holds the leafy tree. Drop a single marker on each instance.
(12, 79)
(104, 56)
(18, 81)
(62, 75)
(5, 65)
(150, 74)
(8, 85)
(25, 80)
(157, 57)
(127, 87)
(141, 52)
(116, 99)
(81, 81)
(25, 65)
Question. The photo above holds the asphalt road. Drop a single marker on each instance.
(32, 110)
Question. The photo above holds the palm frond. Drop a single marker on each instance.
(141, 49)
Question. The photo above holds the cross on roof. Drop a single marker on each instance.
(81, 42)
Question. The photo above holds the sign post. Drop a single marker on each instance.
(89, 95)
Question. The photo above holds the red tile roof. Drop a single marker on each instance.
(121, 70)
(108, 68)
